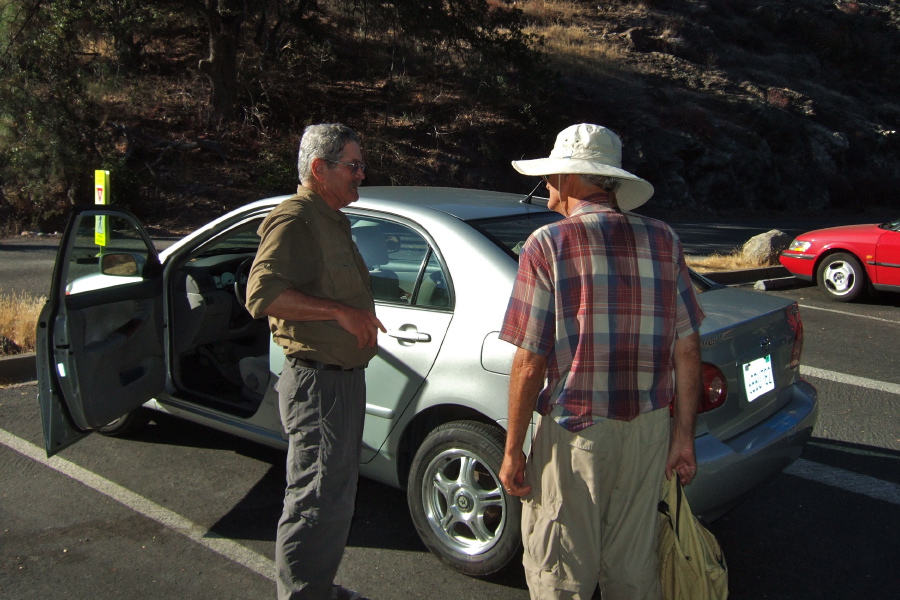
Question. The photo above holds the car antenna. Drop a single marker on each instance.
(527, 199)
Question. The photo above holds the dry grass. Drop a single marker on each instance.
(573, 48)
(19, 314)
(578, 51)
(544, 11)
(722, 262)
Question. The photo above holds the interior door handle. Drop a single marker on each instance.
(409, 336)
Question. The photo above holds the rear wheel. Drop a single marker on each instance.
(128, 424)
(841, 277)
(457, 502)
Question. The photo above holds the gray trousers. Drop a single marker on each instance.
(323, 413)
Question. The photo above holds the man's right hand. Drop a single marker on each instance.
(512, 474)
(363, 324)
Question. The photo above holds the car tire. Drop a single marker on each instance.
(128, 424)
(457, 502)
(842, 277)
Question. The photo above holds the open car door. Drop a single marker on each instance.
(99, 336)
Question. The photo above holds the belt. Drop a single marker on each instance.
(320, 366)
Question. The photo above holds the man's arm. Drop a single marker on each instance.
(525, 383)
(687, 398)
(293, 305)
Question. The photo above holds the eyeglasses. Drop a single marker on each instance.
(546, 179)
(355, 166)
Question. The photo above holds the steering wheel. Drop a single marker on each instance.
(240, 280)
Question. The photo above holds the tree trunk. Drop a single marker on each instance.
(224, 18)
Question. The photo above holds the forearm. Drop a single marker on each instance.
(682, 458)
(526, 382)
(293, 305)
(687, 384)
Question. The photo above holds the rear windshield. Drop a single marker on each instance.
(511, 232)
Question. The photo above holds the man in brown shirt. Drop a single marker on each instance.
(311, 282)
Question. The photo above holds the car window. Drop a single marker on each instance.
(240, 240)
(511, 232)
(433, 291)
(403, 268)
(106, 251)
(891, 225)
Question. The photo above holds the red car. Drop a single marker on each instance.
(848, 261)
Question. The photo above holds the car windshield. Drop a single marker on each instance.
(510, 233)
(891, 225)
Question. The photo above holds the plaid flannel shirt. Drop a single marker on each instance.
(603, 295)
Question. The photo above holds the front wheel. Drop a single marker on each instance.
(841, 277)
(457, 502)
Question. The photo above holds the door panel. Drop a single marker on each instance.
(100, 352)
(398, 371)
(887, 258)
(414, 302)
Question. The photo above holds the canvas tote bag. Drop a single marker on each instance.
(691, 563)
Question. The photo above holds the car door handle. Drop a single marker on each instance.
(409, 336)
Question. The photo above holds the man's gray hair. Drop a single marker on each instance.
(604, 182)
(325, 141)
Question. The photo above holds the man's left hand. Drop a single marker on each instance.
(682, 459)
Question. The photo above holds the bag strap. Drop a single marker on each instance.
(680, 493)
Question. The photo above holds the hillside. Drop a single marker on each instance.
(727, 106)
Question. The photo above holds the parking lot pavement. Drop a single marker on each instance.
(62, 537)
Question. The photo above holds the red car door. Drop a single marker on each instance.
(887, 258)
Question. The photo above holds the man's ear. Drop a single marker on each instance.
(317, 168)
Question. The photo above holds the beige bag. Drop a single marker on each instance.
(691, 563)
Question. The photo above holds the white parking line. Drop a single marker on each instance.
(165, 517)
(872, 384)
(846, 480)
(850, 314)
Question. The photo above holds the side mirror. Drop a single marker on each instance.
(119, 265)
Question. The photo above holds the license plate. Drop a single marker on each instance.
(758, 378)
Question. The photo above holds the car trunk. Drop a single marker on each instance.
(750, 337)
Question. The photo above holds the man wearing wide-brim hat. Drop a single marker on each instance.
(606, 322)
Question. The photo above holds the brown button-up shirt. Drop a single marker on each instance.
(306, 246)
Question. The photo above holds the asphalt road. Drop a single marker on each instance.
(186, 512)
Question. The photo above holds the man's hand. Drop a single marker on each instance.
(362, 324)
(681, 459)
(512, 474)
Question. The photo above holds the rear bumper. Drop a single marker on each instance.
(727, 470)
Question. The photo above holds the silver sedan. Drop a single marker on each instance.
(126, 326)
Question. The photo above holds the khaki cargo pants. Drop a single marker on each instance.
(591, 516)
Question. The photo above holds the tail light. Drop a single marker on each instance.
(714, 391)
(715, 388)
(793, 317)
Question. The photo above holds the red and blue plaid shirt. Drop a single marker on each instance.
(603, 295)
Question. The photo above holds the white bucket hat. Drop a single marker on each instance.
(587, 149)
